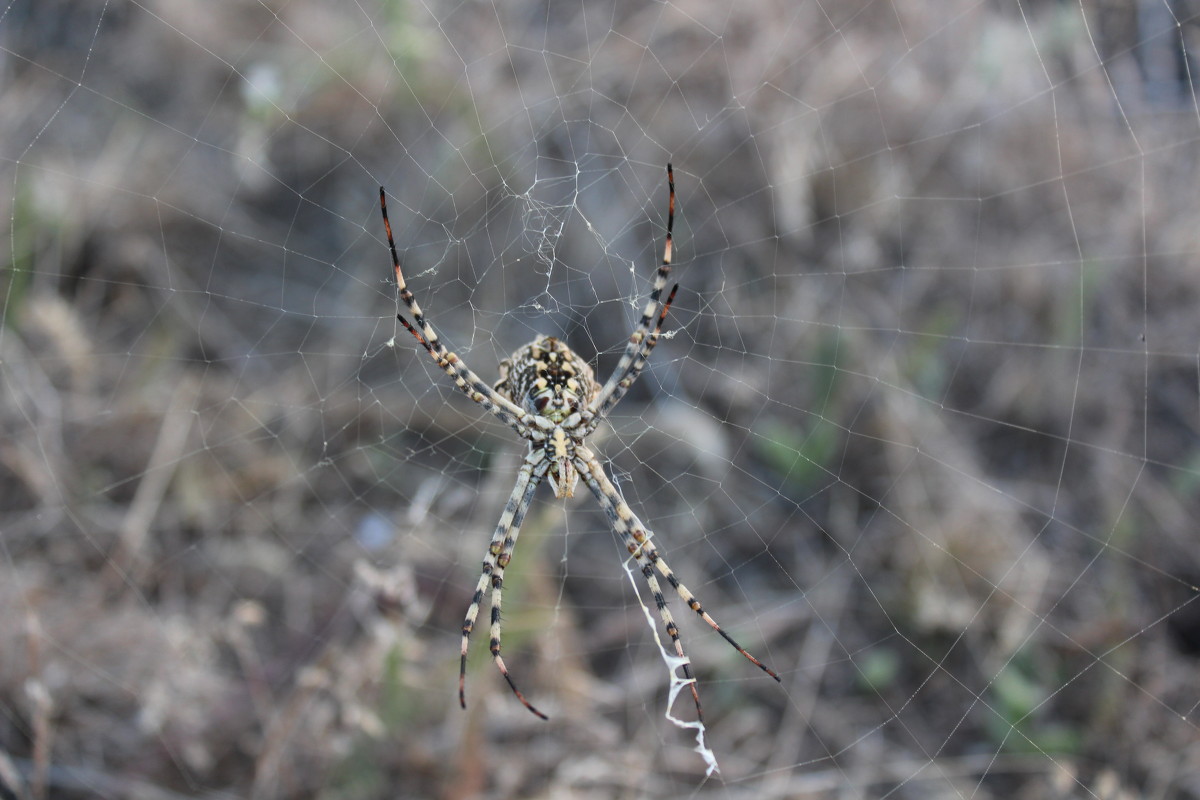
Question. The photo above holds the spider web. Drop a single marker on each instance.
(924, 434)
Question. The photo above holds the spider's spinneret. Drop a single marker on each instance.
(547, 379)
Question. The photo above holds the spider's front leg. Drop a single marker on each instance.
(643, 339)
(464, 379)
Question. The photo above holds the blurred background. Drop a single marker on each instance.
(924, 435)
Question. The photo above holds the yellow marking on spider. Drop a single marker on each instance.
(559, 441)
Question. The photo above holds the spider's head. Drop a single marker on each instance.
(545, 378)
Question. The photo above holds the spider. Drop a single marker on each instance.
(550, 397)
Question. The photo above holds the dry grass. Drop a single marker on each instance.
(940, 470)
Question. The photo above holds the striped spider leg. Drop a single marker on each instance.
(550, 397)
(637, 350)
(637, 541)
(527, 426)
(494, 562)
(466, 380)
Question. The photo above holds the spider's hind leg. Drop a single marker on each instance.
(625, 523)
(637, 541)
(499, 553)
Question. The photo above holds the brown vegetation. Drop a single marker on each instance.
(925, 434)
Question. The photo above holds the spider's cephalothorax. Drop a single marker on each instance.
(548, 395)
(547, 379)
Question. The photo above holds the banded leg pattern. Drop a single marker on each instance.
(613, 389)
(637, 541)
(638, 364)
(499, 552)
(466, 380)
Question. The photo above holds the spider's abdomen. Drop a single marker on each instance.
(546, 378)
